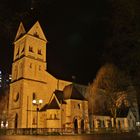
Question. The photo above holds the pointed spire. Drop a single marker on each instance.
(37, 31)
(21, 31)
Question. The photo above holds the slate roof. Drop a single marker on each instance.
(105, 113)
(44, 108)
(70, 92)
(52, 105)
(60, 97)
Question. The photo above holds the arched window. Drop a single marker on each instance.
(79, 106)
(55, 116)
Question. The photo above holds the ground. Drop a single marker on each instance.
(77, 137)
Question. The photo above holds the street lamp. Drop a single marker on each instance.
(37, 103)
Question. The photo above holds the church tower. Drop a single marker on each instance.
(28, 72)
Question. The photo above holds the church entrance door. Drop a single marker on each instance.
(82, 126)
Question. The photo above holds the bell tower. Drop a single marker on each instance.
(28, 72)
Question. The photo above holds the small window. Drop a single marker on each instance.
(79, 106)
(30, 49)
(36, 34)
(30, 65)
(16, 97)
(50, 116)
(55, 116)
(34, 96)
(39, 52)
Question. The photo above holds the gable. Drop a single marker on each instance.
(54, 97)
(37, 31)
(59, 96)
(21, 31)
(53, 105)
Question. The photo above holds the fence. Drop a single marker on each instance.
(54, 131)
(40, 131)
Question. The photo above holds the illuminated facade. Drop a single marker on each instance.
(63, 106)
(125, 121)
(31, 81)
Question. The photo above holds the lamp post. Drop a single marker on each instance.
(37, 103)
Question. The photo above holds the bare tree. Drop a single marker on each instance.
(4, 102)
(108, 91)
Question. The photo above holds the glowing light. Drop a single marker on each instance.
(34, 101)
(37, 102)
(137, 123)
(40, 101)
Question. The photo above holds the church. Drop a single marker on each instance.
(38, 99)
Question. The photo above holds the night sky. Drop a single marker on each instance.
(76, 32)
